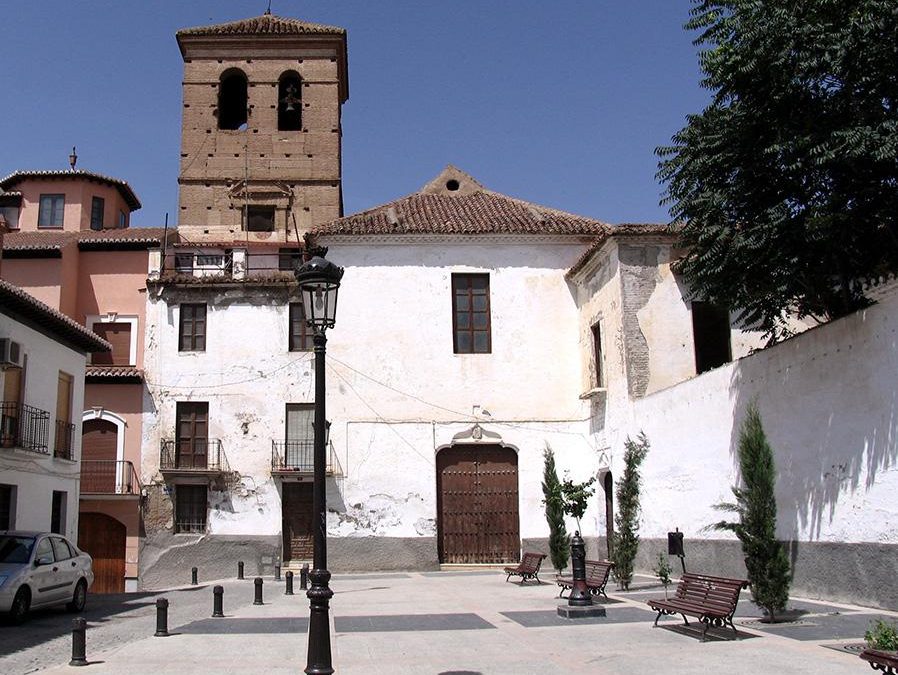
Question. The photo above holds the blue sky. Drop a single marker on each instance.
(561, 103)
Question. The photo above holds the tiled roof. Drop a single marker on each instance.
(13, 298)
(114, 372)
(124, 189)
(622, 230)
(455, 203)
(237, 243)
(46, 241)
(267, 24)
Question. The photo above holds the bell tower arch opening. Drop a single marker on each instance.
(290, 101)
(232, 100)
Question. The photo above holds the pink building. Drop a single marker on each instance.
(70, 246)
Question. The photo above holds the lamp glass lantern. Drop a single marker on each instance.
(319, 281)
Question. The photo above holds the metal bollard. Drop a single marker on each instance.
(240, 570)
(304, 577)
(289, 577)
(258, 598)
(193, 576)
(277, 571)
(217, 603)
(162, 617)
(79, 642)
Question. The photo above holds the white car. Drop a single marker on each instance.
(41, 569)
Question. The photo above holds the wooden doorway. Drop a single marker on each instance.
(477, 504)
(193, 435)
(104, 538)
(296, 507)
(99, 451)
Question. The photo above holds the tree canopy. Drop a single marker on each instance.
(786, 185)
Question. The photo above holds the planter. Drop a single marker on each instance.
(887, 662)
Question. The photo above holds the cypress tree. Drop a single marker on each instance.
(765, 556)
(559, 541)
(626, 538)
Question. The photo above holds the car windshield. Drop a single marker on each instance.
(15, 549)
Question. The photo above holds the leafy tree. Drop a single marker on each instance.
(559, 541)
(626, 537)
(576, 496)
(786, 184)
(765, 557)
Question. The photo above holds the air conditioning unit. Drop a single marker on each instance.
(10, 354)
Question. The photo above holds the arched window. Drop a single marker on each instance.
(232, 100)
(290, 102)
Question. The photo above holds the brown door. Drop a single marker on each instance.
(193, 435)
(99, 450)
(477, 505)
(297, 514)
(103, 537)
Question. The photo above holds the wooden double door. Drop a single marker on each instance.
(104, 538)
(477, 504)
(296, 507)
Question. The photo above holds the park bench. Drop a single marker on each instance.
(597, 573)
(887, 662)
(528, 567)
(712, 600)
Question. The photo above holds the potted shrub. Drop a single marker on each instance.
(882, 645)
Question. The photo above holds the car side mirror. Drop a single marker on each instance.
(43, 560)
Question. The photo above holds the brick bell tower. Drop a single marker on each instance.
(260, 132)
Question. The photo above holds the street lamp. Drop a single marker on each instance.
(319, 280)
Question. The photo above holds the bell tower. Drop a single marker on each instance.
(260, 133)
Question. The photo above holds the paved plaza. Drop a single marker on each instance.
(446, 623)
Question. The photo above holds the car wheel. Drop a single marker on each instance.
(79, 597)
(20, 606)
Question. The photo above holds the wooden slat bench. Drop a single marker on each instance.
(597, 573)
(887, 662)
(712, 600)
(528, 567)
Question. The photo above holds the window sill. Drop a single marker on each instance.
(595, 392)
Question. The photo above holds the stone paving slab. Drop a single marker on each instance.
(824, 627)
(409, 622)
(542, 618)
(245, 626)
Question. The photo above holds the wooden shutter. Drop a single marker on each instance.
(192, 435)
(119, 336)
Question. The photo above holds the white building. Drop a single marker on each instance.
(42, 360)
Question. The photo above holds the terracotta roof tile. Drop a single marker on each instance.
(14, 299)
(124, 372)
(267, 24)
(124, 189)
(622, 230)
(454, 203)
(44, 241)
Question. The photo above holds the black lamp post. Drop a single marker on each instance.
(319, 280)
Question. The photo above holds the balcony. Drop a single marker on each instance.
(214, 264)
(64, 445)
(193, 457)
(22, 426)
(296, 458)
(102, 477)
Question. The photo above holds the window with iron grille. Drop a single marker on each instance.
(97, 206)
(192, 328)
(471, 313)
(184, 262)
(190, 508)
(288, 259)
(50, 211)
(300, 335)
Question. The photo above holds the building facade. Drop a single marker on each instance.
(73, 248)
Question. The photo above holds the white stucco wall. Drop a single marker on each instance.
(37, 475)
(828, 403)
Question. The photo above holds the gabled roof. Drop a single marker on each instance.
(267, 24)
(455, 203)
(15, 301)
(622, 230)
(124, 189)
(141, 237)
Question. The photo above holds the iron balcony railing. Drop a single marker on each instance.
(64, 445)
(109, 477)
(298, 456)
(22, 426)
(192, 454)
(224, 264)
